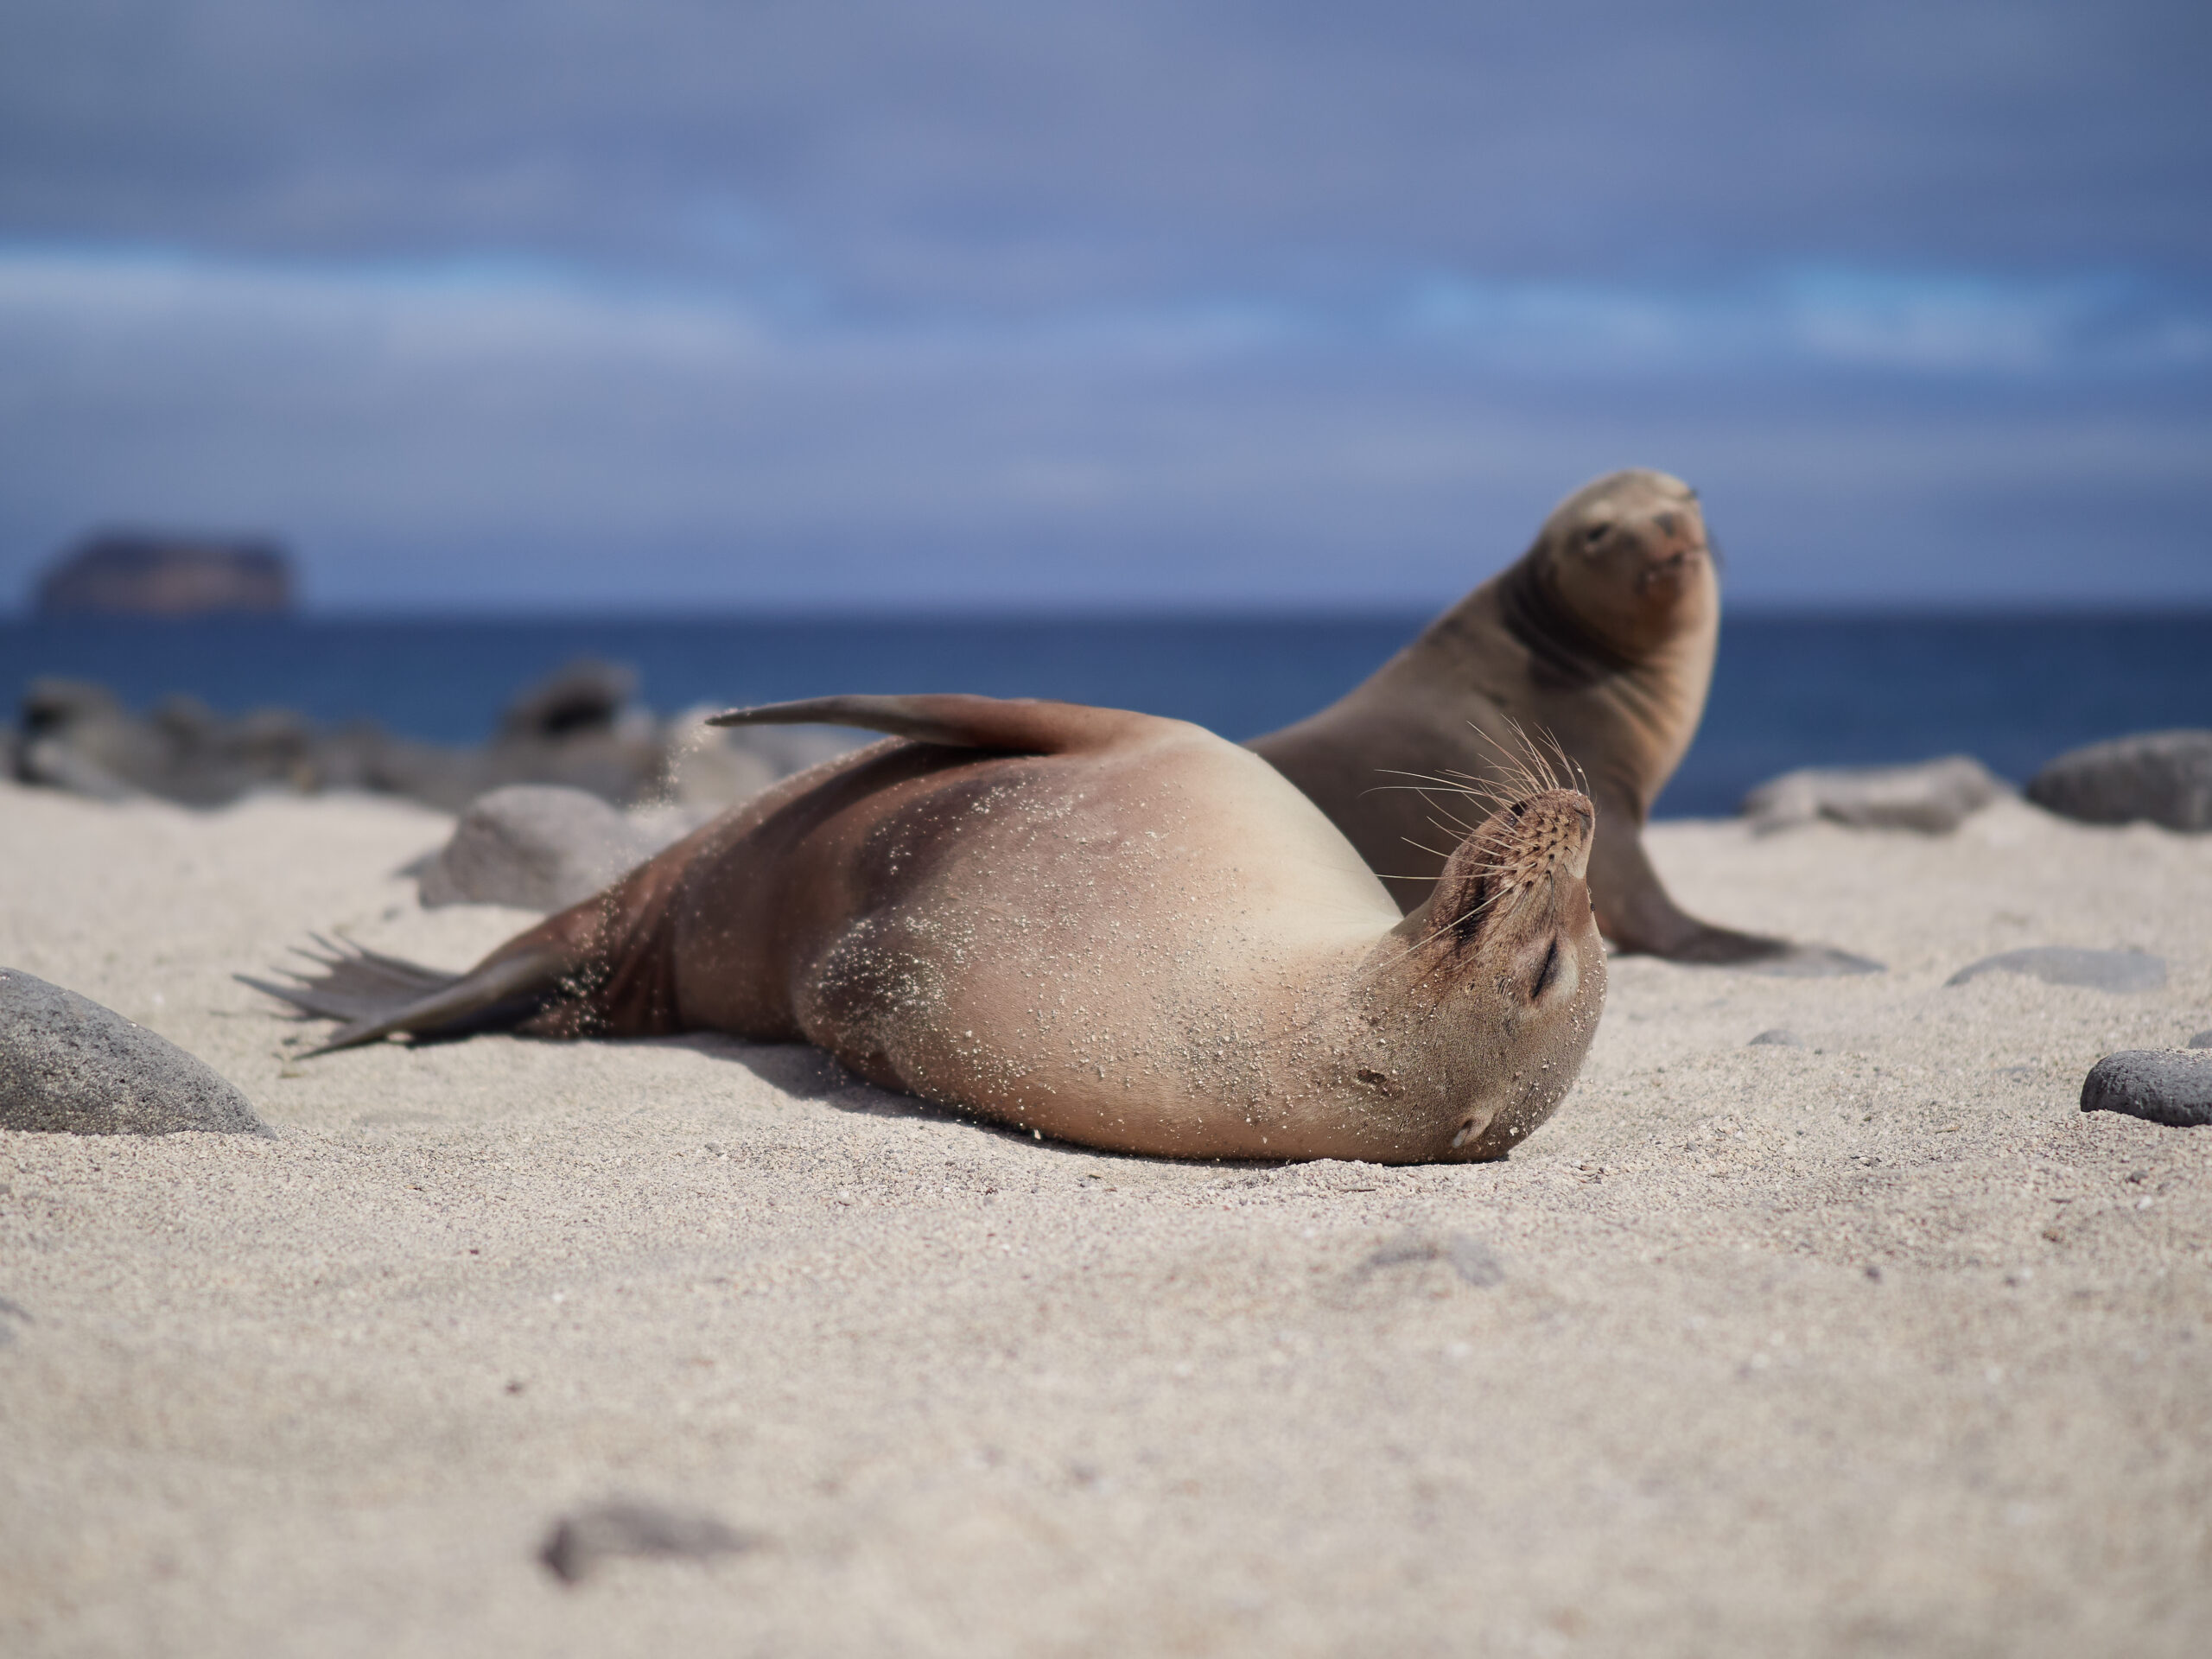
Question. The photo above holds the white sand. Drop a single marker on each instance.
(981, 1395)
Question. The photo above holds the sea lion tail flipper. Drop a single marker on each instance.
(375, 996)
(1015, 725)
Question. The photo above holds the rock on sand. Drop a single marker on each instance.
(71, 1066)
(2171, 1086)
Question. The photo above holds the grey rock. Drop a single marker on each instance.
(586, 696)
(1933, 796)
(1809, 962)
(68, 1065)
(537, 847)
(1777, 1038)
(1470, 1258)
(579, 1543)
(2163, 777)
(2160, 1085)
(2067, 964)
(2203, 1040)
(53, 764)
(75, 736)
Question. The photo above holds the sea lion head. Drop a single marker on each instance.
(1627, 557)
(1507, 971)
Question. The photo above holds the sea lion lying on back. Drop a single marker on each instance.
(1112, 928)
(1601, 637)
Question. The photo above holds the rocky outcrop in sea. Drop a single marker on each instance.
(139, 573)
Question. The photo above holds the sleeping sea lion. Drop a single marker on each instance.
(1601, 637)
(1108, 927)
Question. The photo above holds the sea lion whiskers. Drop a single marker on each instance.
(1524, 762)
(1475, 866)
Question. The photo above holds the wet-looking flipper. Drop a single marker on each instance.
(1015, 725)
(375, 995)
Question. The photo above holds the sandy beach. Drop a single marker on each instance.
(1875, 1344)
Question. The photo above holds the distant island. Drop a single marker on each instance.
(142, 572)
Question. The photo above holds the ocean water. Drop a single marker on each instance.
(1788, 691)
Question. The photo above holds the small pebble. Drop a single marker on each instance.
(2159, 1085)
(579, 1543)
(1470, 1258)
(2067, 964)
(1780, 1037)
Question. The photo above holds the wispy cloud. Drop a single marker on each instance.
(1146, 300)
(414, 426)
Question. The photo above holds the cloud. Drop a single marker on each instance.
(1002, 153)
(573, 302)
(431, 433)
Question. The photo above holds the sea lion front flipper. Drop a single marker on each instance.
(1635, 912)
(1014, 725)
(375, 995)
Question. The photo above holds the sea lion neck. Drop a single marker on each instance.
(1565, 652)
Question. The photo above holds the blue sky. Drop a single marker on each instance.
(655, 305)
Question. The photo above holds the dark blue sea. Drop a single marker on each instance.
(1789, 690)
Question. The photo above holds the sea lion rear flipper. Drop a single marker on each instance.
(375, 995)
(1015, 725)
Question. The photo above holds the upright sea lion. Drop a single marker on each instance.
(1108, 927)
(1602, 637)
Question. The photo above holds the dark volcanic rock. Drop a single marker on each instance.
(2160, 1085)
(2067, 964)
(2161, 778)
(137, 574)
(68, 1064)
(536, 846)
(579, 1543)
(586, 696)
(1933, 796)
(1809, 962)
(579, 729)
(74, 735)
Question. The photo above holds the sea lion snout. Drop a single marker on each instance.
(1521, 870)
(1673, 548)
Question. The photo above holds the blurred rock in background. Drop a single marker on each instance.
(2163, 777)
(581, 728)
